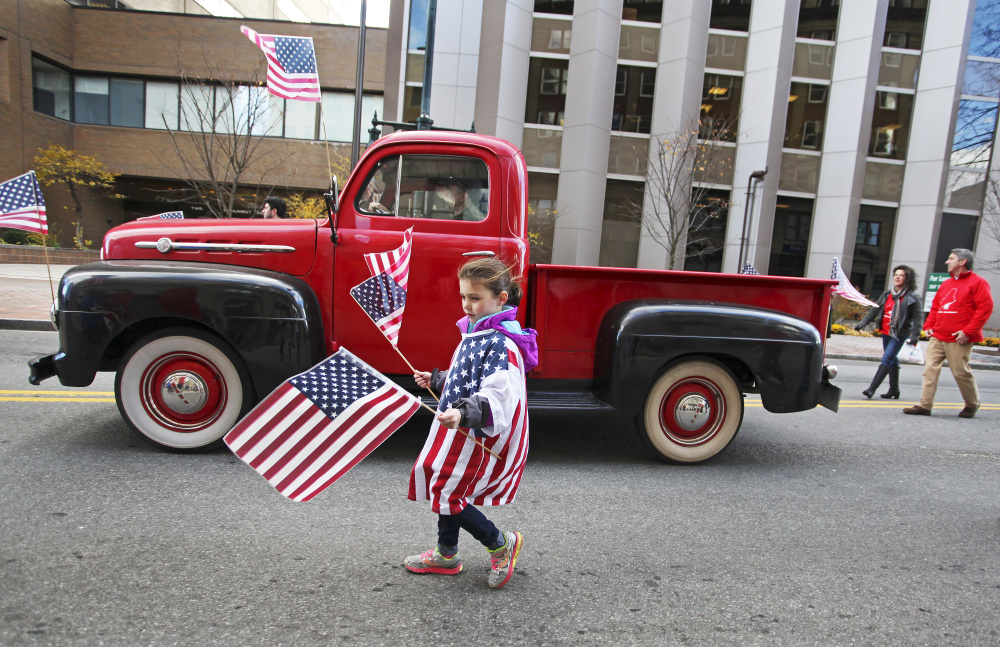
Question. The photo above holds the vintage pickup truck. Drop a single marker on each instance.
(200, 319)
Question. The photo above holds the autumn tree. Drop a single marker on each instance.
(78, 173)
(681, 205)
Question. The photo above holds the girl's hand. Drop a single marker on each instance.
(422, 378)
(450, 418)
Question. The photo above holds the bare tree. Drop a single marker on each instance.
(682, 205)
(220, 141)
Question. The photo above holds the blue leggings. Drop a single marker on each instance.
(474, 522)
(890, 350)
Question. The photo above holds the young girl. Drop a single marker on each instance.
(484, 393)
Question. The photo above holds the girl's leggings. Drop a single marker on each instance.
(474, 522)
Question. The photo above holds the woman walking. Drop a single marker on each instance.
(899, 314)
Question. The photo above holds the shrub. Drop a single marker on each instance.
(837, 329)
(844, 309)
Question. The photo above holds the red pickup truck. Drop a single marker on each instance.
(200, 319)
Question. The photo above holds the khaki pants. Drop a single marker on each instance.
(958, 360)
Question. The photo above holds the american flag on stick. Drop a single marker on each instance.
(395, 263)
(22, 205)
(291, 65)
(169, 215)
(316, 426)
(845, 289)
(749, 269)
(383, 300)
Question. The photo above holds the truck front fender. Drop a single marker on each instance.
(775, 354)
(272, 320)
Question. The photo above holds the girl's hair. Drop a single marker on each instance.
(493, 275)
(911, 277)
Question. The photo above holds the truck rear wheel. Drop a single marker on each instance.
(692, 412)
(183, 389)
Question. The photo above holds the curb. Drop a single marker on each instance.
(979, 366)
(41, 325)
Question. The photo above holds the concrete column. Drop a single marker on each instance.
(680, 72)
(587, 133)
(504, 43)
(456, 62)
(395, 64)
(928, 154)
(848, 130)
(761, 130)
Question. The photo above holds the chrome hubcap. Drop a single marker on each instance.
(183, 392)
(692, 411)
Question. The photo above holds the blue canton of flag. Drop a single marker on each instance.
(479, 356)
(295, 54)
(749, 269)
(383, 300)
(169, 215)
(22, 205)
(335, 384)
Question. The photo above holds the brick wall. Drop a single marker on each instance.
(56, 255)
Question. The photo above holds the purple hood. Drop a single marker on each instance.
(505, 322)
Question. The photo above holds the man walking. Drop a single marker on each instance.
(961, 306)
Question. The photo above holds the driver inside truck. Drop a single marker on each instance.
(460, 199)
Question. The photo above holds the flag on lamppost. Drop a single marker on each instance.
(318, 425)
(291, 65)
(845, 289)
(22, 205)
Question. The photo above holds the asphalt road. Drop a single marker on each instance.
(863, 527)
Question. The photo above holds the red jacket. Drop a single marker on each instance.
(963, 303)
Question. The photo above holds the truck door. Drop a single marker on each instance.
(453, 201)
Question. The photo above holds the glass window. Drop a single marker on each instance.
(726, 52)
(720, 106)
(799, 173)
(730, 14)
(706, 235)
(806, 116)
(300, 120)
(381, 188)
(338, 117)
(554, 6)
(904, 24)
(986, 30)
(872, 248)
(957, 231)
(891, 125)
(415, 68)
(818, 19)
(639, 43)
(628, 155)
(965, 189)
(542, 147)
(551, 36)
(622, 224)
(547, 81)
(435, 186)
(542, 214)
(162, 105)
(790, 237)
(882, 181)
(126, 102)
(982, 79)
(974, 129)
(633, 106)
(51, 89)
(418, 25)
(898, 70)
(642, 10)
(270, 117)
(412, 98)
(90, 100)
(813, 61)
(197, 108)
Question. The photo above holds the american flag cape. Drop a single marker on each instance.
(316, 426)
(22, 205)
(395, 263)
(169, 215)
(383, 300)
(452, 471)
(845, 289)
(291, 65)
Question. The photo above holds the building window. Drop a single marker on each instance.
(554, 80)
(51, 89)
(706, 236)
(805, 116)
(417, 38)
(90, 100)
(633, 105)
(891, 125)
(642, 10)
(546, 99)
(542, 213)
(958, 231)
(554, 6)
(733, 15)
(162, 105)
(720, 106)
(818, 19)
(904, 24)
(872, 248)
(127, 102)
(790, 237)
(622, 224)
(300, 120)
(985, 41)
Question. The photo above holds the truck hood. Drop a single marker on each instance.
(287, 246)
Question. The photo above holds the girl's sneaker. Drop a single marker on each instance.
(434, 562)
(502, 559)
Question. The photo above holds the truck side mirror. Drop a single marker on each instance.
(331, 197)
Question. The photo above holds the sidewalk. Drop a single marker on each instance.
(25, 299)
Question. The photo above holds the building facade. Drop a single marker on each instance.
(874, 121)
(133, 88)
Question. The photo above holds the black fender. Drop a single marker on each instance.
(272, 320)
(775, 354)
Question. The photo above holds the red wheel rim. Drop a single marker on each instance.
(692, 428)
(163, 408)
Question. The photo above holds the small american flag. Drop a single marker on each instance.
(22, 205)
(291, 65)
(169, 215)
(749, 269)
(395, 263)
(316, 426)
(383, 300)
(845, 288)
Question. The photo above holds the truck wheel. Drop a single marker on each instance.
(692, 412)
(182, 389)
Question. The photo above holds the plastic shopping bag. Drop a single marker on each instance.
(911, 354)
